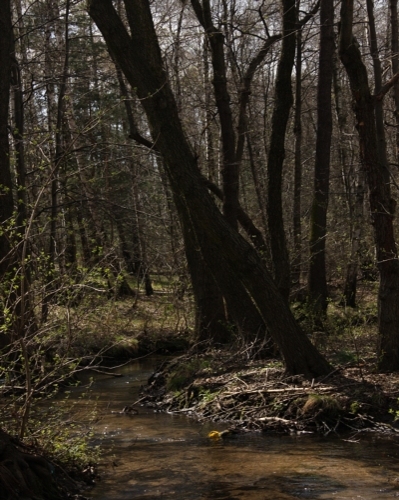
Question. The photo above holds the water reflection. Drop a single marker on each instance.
(153, 456)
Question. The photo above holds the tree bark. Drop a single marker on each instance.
(317, 283)
(230, 168)
(6, 188)
(393, 4)
(357, 222)
(354, 196)
(139, 261)
(282, 107)
(59, 144)
(296, 219)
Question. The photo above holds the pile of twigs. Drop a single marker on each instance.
(259, 398)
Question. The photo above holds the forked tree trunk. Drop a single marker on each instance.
(221, 247)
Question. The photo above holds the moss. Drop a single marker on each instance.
(317, 403)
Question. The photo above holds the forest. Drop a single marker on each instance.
(205, 175)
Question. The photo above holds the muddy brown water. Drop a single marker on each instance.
(160, 456)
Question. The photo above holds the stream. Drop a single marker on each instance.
(156, 455)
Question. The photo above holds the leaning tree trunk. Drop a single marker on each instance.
(221, 246)
(382, 205)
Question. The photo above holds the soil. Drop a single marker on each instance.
(246, 395)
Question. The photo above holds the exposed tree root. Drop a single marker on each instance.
(26, 476)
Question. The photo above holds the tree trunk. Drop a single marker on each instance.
(7, 222)
(357, 222)
(393, 4)
(221, 246)
(211, 324)
(382, 206)
(282, 107)
(59, 146)
(6, 192)
(317, 283)
(296, 220)
(355, 200)
(230, 168)
(140, 266)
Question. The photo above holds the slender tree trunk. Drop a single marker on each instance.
(58, 153)
(230, 168)
(24, 313)
(357, 223)
(142, 270)
(382, 206)
(221, 247)
(395, 64)
(142, 267)
(296, 220)
(282, 107)
(317, 282)
(210, 132)
(259, 183)
(6, 198)
(245, 92)
(6, 187)
(355, 200)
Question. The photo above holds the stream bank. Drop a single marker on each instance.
(249, 395)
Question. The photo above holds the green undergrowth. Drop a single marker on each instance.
(122, 328)
(346, 336)
(58, 429)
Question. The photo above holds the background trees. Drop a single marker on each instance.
(94, 190)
